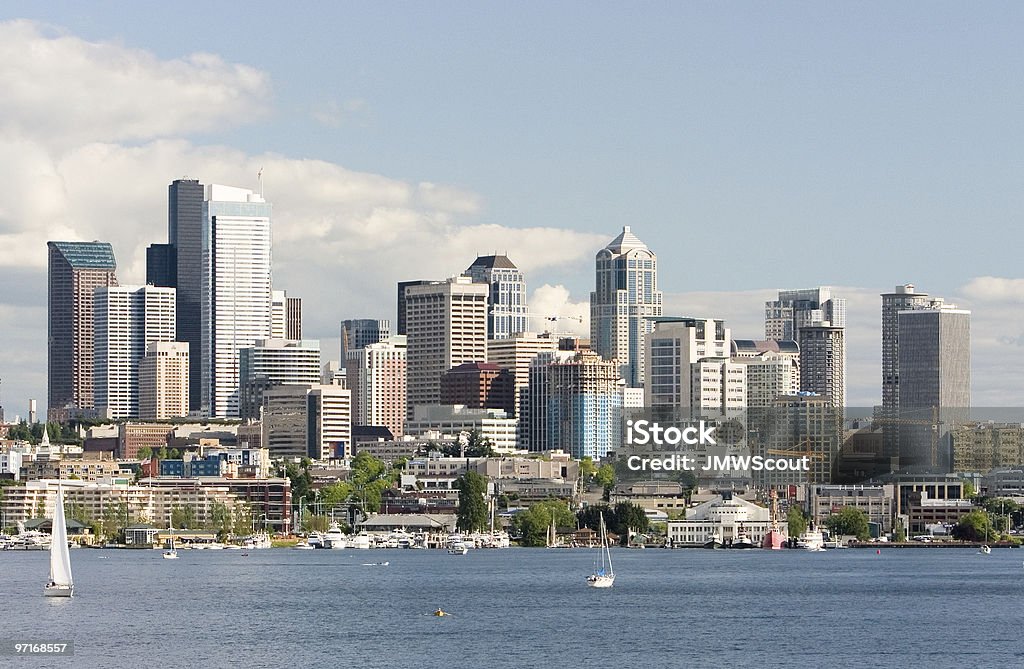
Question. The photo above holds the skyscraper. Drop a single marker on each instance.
(446, 323)
(402, 286)
(186, 234)
(515, 354)
(574, 404)
(795, 310)
(76, 269)
(822, 361)
(127, 319)
(903, 298)
(274, 362)
(161, 266)
(359, 333)
(934, 382)
(507, 312)
(235, 290)
(689, 368)
(376, 375)
(163, 381)
(626, 297)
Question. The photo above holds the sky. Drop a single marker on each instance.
(753, 146)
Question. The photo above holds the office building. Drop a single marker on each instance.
(507, 311)
(773, 369)
(446, 323)
(626, 297)
(784, 317)
(76, 270)
(312, 421)
(359, 333)
(376, 375)
(163, 381)
(274, 362)
(803, 425)
(903, 298)
(236, 292)
(822, 361)
(161, 266)
(934, 383)
(400, 327)
(689, 368)
(127, 319)
(574, 404)
(515, 354)
(479, 385)
(186, 234)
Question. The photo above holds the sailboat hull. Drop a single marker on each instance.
(601, 581)
(58, 590)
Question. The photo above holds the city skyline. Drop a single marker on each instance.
(343, 198)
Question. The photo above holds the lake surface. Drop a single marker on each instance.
(523, 608)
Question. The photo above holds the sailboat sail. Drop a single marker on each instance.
(604, 576)
(60, 557)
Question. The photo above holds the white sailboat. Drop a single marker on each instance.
(60, 584)
(603, 576)
(553, 534)
(172, 553)
(985, 548)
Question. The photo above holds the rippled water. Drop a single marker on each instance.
(523, 608)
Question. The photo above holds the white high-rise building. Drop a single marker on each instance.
(127, 318)
(773, 369)
(516, 353)
(236, 290)
(275, 362)
(625, 299)
(446, 325)
(376, 376)
(689, 367)
(163, 381)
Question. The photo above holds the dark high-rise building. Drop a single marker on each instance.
(185, 236)
(401, 323)
(479, 385)
(293, 317)
(161, 266)
(76, 269)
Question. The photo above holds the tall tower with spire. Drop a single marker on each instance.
(625, 299)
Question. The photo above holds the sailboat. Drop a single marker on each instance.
(603, 576)
(553, 533)
(172, 552)
(60, 584)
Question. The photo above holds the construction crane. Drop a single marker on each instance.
(808, 453)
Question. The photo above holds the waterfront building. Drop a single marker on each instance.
(507, 311)
(876, 501)
(163, 381)
(625, 299)
(127, 320)
(310, 420)
(376, 374)
(446, 325)
(726, 517)
(75, 271)
(274, 362)
(235, 290)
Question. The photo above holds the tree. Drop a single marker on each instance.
(605, 477)
(621, 519)
(145, 453)
(532, 524)
(587, 468)
(968, 491)
(184, 517)
(796, 521)
(242, 519)
(220, 520)
(472, 513)
(973, 526)
(849, 521)
(478, 446)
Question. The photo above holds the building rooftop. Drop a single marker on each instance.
(764, 346)
(494, 262)
(625, 241)
(86, 255)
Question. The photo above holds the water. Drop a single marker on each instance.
(523, 608)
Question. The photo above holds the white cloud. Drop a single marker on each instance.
(63, 90)
(553, 308)
(992, 289)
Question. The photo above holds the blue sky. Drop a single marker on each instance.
(752, 145)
